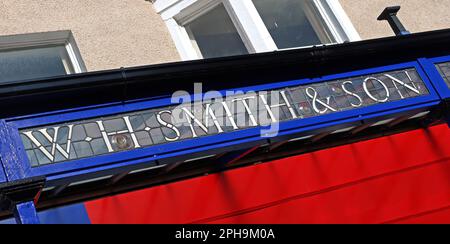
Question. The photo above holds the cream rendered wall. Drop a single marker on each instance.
(416, 15)
(109, 33)
(123, 33)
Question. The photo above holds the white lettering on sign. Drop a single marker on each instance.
(226, 114)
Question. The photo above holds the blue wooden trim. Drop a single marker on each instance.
(113, 163)
(441, 59)
(25, 213)
(12, 154)
(3, 178)
(113, 168)
(2, 174)
(73, 214)
(429, 65)
(131, 106)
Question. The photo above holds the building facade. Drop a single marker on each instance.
(55, 37)
(114, 34)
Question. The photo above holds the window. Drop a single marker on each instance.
(293, 23)
(214, 28)
(38, 55)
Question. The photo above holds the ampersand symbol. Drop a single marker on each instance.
(314, 96)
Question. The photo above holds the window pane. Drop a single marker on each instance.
(215, 34)
(287, 22)
(31, 63)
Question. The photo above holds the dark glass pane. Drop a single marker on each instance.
(34, 63)
(287, 22)
(216, 35)
(444, 70)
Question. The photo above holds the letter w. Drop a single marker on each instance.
(53, 140)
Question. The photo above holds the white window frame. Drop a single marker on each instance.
(43, 39)
(249, 24)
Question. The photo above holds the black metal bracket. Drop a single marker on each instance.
(13, 193)
(390, 14)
